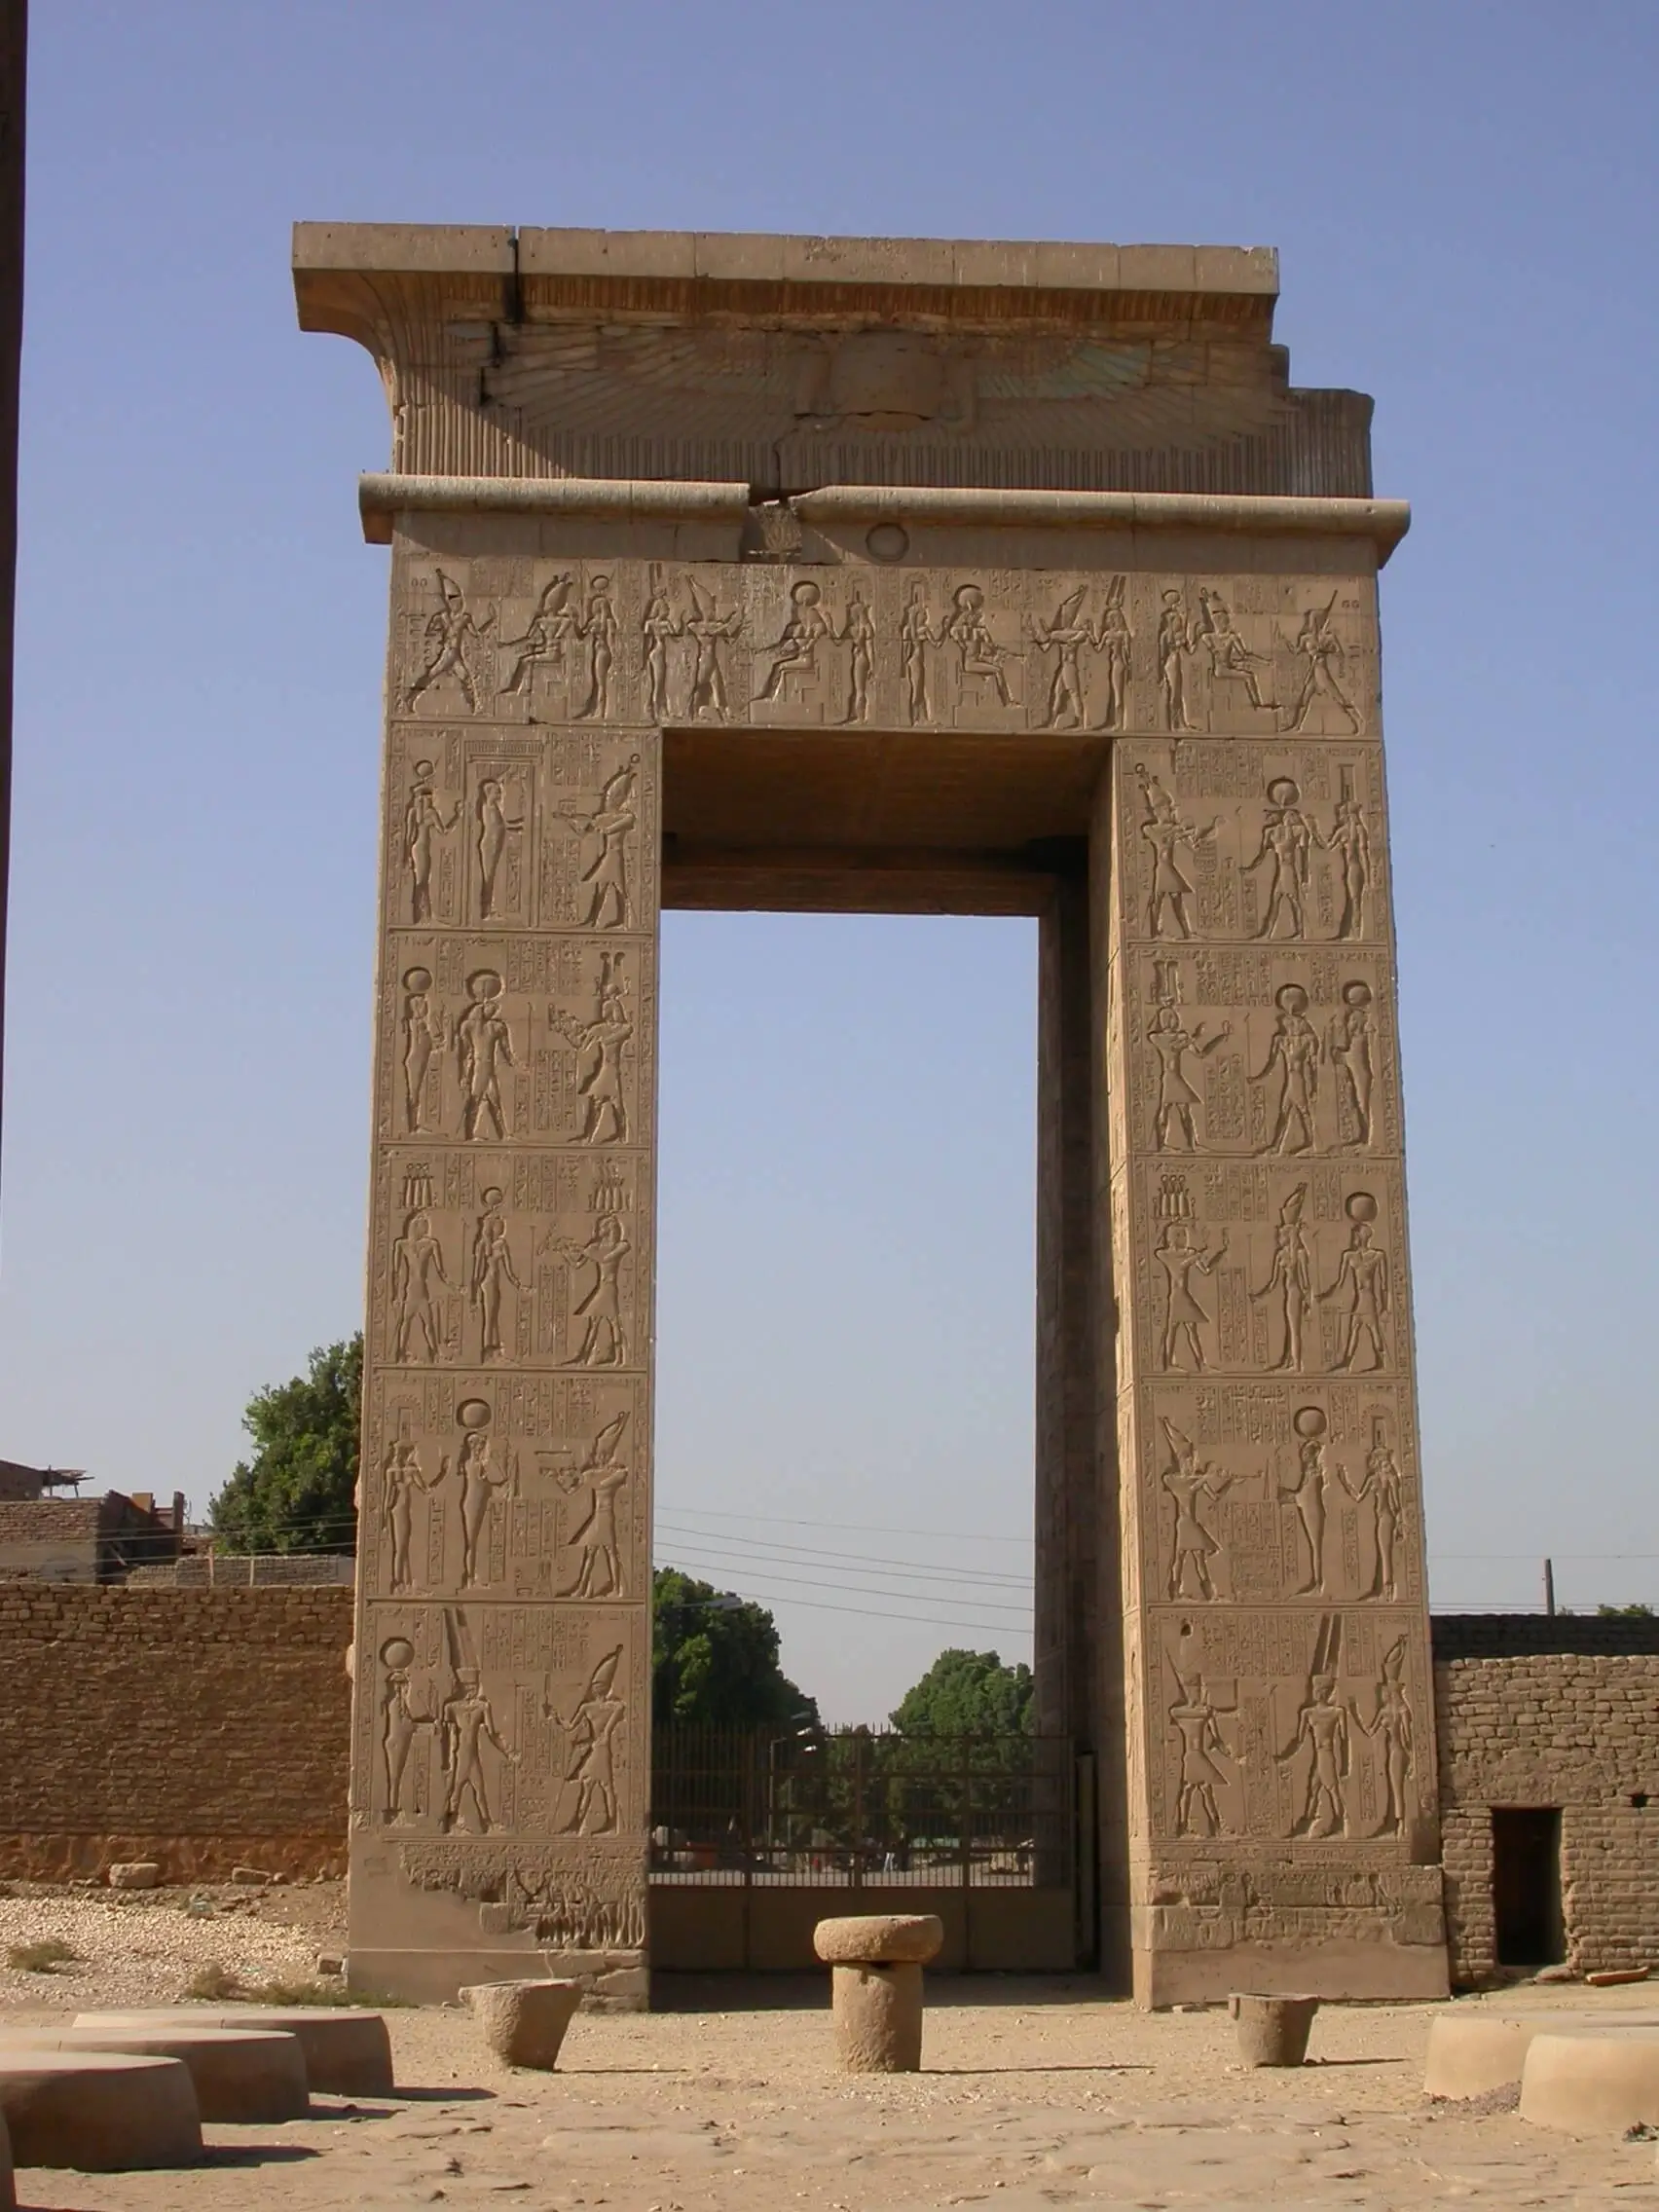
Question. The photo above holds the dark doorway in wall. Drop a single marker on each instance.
(1526, 1885)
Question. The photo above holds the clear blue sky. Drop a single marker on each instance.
(1464, 200)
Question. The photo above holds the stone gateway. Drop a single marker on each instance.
(900, 576)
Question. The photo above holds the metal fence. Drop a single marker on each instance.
(860, 1809)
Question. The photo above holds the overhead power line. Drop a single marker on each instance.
(800, 1554)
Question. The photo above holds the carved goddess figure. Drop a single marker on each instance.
(480, 1481)
(1351, 841)
(1113, 640)
(1348, 1040)
(1394, 1729)
(597, 628)
(1174, 643)
(492, 1272)
(1381, 1483)
(401, 1478)
(915, 636)
(657, 627)
(399, 1723)
(859, 632)
(1307, 1492)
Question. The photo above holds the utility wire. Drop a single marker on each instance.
(794, 1553)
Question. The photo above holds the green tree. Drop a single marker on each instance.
(968, 1693)
(714, 1660)
(1625, 1613)
(297, 1491)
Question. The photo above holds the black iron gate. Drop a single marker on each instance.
(756, 1835)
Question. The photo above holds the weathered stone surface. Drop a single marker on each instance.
(984, 656)
(348, 2052)
(1271, 2031)
(240, 2074)
(877, 2014)
(1592, 2082)
(1476, 2048)
(524, 2023)
(135, 1874)
(878, 1937)
(98, 2111)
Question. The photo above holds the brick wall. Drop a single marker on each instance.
(1574, 1726)
(203, 1728)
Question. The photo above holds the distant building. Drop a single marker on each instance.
(49, 1538)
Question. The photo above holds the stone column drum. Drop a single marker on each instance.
(917, 576)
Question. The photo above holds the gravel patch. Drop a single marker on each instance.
(141, 1948)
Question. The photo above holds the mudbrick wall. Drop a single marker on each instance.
(201, 1728)
(1559, 1712)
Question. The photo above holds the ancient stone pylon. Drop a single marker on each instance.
(898, 576)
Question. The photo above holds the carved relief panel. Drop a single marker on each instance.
(525, 641)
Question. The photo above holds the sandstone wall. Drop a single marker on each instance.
(203, 1729)
(1564, 1711)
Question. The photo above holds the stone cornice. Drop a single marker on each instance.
(1383, 522)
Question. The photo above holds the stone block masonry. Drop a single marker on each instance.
(201, 1728)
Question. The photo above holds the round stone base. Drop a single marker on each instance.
(877, 2011)
(97, 2112)
(243, 2075)
(1592, 2082)
(347, 2054)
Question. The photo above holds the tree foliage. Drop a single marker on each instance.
(968, 1693)
(297, 1493)
(714, 1660)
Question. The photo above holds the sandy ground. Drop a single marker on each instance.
(1034, 2095)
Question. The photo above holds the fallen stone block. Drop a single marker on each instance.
(347, 2054)
(241, 2075)
(251, 1877)
(1592, 2080)
(98, 2111)
(135, 1874)
(875, 1986)
(524, 2023)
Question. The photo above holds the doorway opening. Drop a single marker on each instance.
(1526, 1885)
